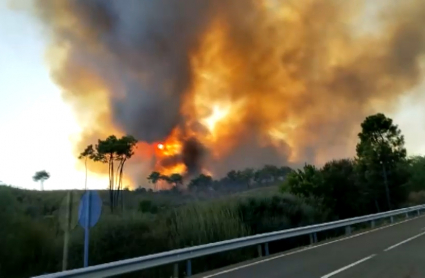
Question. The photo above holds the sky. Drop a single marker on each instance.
(36, 125)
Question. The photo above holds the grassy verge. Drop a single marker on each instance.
(33, 237)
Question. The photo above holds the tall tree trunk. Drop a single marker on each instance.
(120, 182)
(387, 190)
(111, 181)
(85, 182)
(377, 206)
(114, 192)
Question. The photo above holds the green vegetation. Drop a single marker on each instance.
(244, 202)
(379, 178)
(159, 223)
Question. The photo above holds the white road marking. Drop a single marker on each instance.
(404, 241)
(348, 266)
(304, 249)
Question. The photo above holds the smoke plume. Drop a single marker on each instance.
(232, 83)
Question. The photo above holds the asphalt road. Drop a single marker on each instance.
(395, 251)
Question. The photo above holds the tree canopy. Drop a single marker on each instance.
(176, 179)
(112, 151)
(416, 169)
(41, 176)
(373, 181)
(380, 141)
(380, 152)
(154, 177)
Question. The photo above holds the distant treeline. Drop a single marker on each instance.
(235, 179)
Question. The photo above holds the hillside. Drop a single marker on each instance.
(150, 222)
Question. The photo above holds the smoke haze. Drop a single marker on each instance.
(292, 79)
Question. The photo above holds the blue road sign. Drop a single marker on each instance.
(91, 207)
(89, 213)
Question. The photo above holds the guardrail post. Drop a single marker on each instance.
(176, 271)
(313, 238)
(259, 250)
(348, 230)
(407, 214)
(392, 219)
(266, 249)
(419, 212)
(372, 224)
(188, 268)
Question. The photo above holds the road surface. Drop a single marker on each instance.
(395, 251)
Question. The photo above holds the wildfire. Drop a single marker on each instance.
(216, 116)
(167, 155)
(212, 85)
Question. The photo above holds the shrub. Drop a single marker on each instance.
(146, 206)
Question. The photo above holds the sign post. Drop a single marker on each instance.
(89, 214)
(68, 221)
(67, 228)
(87, 231)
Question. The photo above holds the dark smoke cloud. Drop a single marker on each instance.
(308, 68)
(193, 155)
(140, 49)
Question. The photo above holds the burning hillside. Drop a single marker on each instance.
(209, 85)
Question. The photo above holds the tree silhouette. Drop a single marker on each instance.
(202, 181)
(176, 179)
(87, 153)
(379, 152)
(41, 176)
(154, 177)
(111, 151)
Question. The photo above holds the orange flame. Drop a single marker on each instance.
(170, 148)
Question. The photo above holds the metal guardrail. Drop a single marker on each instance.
(186, 254)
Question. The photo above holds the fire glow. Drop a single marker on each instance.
(215, 85)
